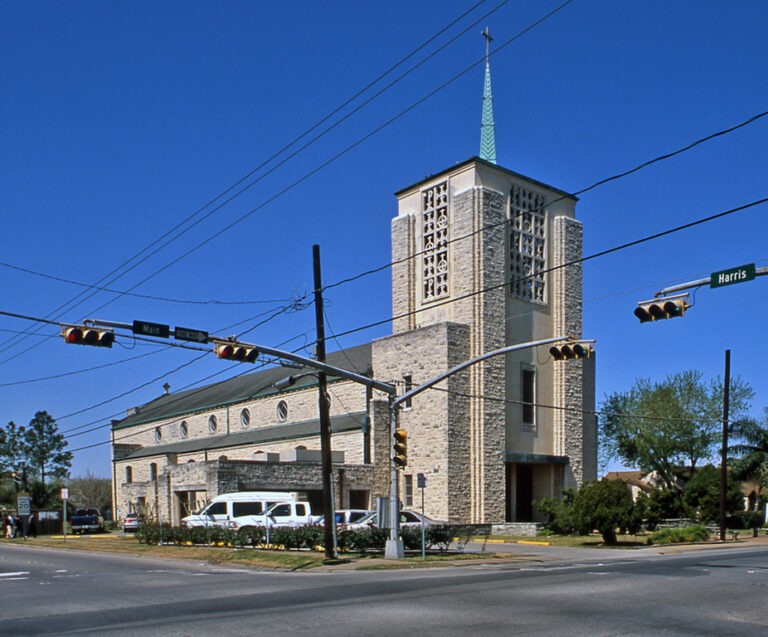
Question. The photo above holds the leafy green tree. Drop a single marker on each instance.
(750, 452)
(605, 506)
(13, 448)
(46, 448)
(701, 497)
(664, 426)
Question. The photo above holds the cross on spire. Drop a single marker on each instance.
(487, 129)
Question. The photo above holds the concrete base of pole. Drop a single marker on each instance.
(394, 550)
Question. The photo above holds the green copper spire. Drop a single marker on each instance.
(487, 133)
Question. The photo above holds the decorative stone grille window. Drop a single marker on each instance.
(184, 429)
(282, 411)
(527, 245)
(434, 212)
(158, 434)
(245, 418)
(213, 424)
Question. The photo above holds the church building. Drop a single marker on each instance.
(483, 258)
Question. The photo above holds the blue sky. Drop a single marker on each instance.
(120, 120)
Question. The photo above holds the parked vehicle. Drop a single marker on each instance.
(132, 522)
(227, 510)
(280, 514)
(347, 517)
(407, 519)
(87, 521)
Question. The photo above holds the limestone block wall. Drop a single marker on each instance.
(436, 421)
(574, 429)
(301, 405)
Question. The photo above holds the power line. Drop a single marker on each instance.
(602, 253)
(596, 184)
(149, 297)
(125, 264)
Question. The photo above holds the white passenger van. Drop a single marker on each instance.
(228, 509)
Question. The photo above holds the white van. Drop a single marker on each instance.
(228, 509)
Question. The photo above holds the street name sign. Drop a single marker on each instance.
(151, 329)
(732, 276)
(186, 334)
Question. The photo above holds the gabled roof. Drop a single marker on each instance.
(241, 388)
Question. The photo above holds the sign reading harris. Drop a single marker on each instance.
(732, 275)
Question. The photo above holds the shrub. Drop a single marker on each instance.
(605, 505)
(559, 512)
(697, 533)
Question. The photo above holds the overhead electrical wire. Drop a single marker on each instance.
(125, 264)
(602, 253)
(615, 177)
(581, 191)
(590, 257)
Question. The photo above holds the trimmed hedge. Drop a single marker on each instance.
(295, 538)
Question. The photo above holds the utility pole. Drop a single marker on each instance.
(329, 517)
(724, 449)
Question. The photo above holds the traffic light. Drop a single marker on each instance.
(84, 335)
(400, 448)
(571, 351)
(664, 308)
(234, 351)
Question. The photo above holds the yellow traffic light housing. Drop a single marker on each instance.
(571, 351)
(84, 335)
(400, 448)
(663, 308)
(234, 351)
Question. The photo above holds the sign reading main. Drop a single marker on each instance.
(151, 329)
(732, 276)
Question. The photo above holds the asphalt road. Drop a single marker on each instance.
(589, 592)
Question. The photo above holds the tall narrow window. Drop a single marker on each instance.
(409, 490)
(527, 217)
(408, 386)
(128, 474)
(153, 472)
(528, 397)
(434, 211)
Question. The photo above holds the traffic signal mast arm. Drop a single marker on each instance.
(699, 282)
(434, 381)
(672, 302)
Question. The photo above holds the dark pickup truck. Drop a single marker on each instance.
(87, 521)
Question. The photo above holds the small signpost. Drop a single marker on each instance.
(421, 483)
(23, 510)
(64, 498)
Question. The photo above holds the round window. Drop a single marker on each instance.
(213, 424)
(184, 429)
(245, 418)
(282, 411)
(158, 434)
